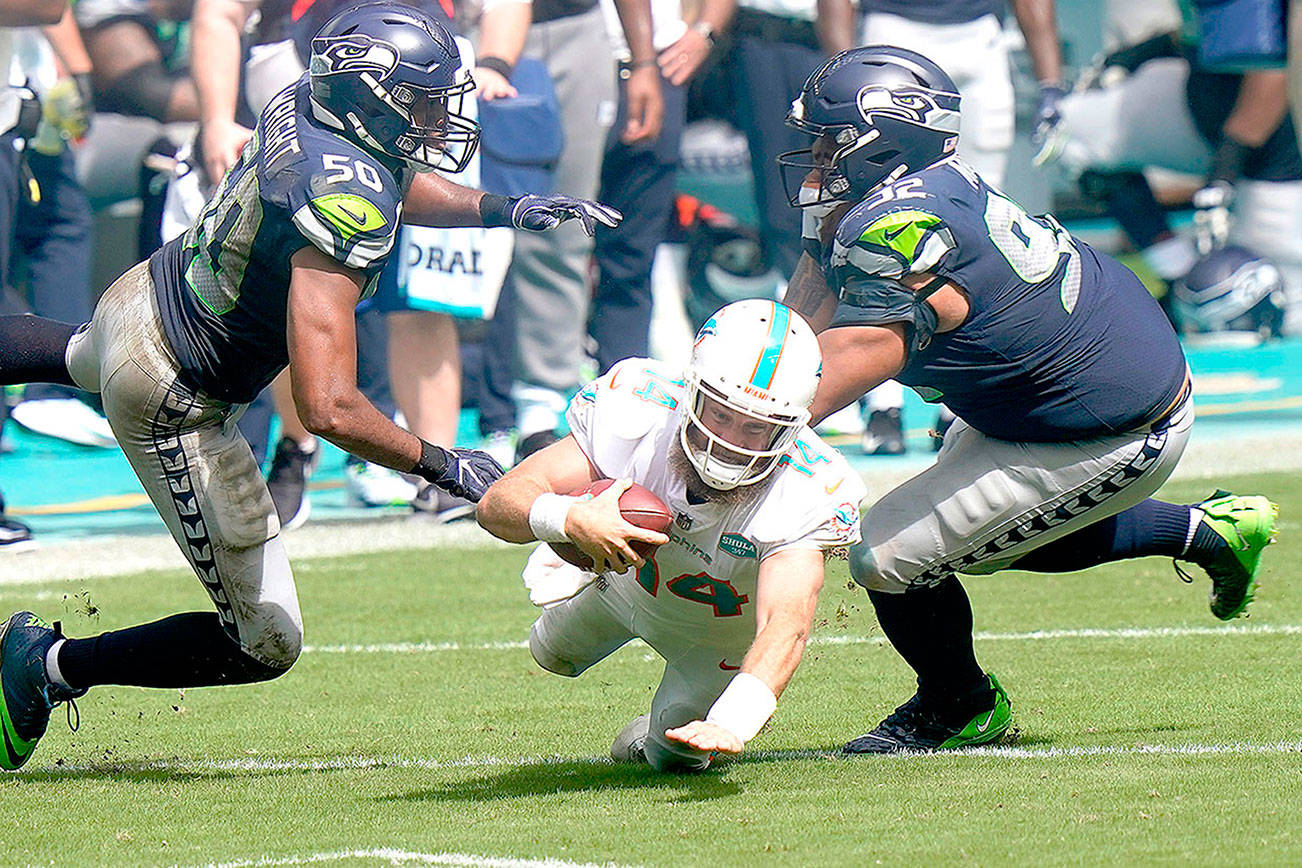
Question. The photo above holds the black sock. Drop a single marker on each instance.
(1206, 545)
(32, 350)
(188, 650)
(931, 628)
(1148, 528)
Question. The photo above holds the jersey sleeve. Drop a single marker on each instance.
(609, 416)
(347, 207)
(875, 247)
(818, 504)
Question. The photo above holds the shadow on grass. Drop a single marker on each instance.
(570, 776)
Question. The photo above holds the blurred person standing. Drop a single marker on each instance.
(637, 178)
(19, 116)
(52, 243)
(550, 273)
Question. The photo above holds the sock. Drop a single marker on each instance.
(1148, 528)
(52, 670)
(187, 650)
(931, 628)
(32, 350)
(1204, 543)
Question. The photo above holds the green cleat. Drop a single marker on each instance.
(915, 727)
(26, 694)
(1247, 524)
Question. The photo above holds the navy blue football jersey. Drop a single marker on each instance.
(223, 286)
(1062, 342)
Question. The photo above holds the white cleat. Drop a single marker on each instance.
(630, 745)
(67, 419)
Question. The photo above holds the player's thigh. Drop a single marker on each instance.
(691, 683)
(570, 637)
(987, 502)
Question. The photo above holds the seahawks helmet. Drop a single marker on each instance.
(755, 367)
(390, 77)
(890, 111)
(1231, 289)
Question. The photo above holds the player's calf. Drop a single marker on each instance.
(32, 350)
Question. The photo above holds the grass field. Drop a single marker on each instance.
(417, 730)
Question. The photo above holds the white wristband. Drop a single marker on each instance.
(744, 706)
(547, 517)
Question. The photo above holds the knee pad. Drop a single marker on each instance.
(867, 574)
(543, 656)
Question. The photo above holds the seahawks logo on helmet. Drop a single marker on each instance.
(356, 52)
(910, 104)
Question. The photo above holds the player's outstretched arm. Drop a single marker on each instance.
(435, 201)
(322, 340)
(789, 583)
(527, 504)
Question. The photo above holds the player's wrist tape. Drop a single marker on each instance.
(495, 210)
(433, 461)
(743, 708)
(547, 516)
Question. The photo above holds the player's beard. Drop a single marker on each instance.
(700, 491)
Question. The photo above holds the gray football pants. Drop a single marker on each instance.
(196, 468)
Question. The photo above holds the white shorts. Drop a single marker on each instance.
(570, 637)
(976, 58)
(194, 465)
(986, 502)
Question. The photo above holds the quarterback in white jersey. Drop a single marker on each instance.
(728, 597)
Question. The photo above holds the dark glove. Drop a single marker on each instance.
(1048, 114)
(1132, 57)
(466, 473)
(540, 213)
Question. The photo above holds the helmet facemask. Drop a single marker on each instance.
(743, 447)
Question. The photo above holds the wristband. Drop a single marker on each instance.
(744, 706)
(499, 65)
(547, 517)
(433, 461)
(495, 210)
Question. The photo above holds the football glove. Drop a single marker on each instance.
(1048, 114)
(468, 473)
(540, 213)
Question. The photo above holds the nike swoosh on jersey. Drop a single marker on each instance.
(891, 236)
(359, 219)
(723, 664)
(831, 489)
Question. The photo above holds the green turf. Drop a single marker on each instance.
(458, 741)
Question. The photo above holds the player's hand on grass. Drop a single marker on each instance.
(600, 531)
(468, 473)
(706, 736)
(540, 213)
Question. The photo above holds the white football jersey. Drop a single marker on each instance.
(703, 581)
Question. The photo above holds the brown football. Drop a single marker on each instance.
(639, 506)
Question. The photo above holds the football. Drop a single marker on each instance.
(639, 506)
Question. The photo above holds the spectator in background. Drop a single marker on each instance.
(637, 178)
(1169, 102)
(138, 64)
(14, 535)
(549, 273)
(52, 239)
(966, 38)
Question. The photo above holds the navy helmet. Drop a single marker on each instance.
(890, 111)
(390, 76)
(1231, 289)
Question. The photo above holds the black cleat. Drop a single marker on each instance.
(920, 727)
(884, 434)
(26, 694)
(287, 481)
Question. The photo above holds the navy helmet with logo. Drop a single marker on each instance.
(890, 111)
(1231, 289)
(390, 76)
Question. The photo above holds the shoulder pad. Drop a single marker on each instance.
(347, 206)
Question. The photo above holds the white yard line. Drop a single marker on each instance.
(362, 763)
(1030, 636)
(394, 856)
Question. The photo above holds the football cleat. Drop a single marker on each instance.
(287, 481)
(26, 694)
(920, 727)
(630, 745)
(1247, 524)
(884, 434)
(443, 507)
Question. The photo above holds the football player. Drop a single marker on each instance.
(1071, 389)
(728, 597)
(293, 238)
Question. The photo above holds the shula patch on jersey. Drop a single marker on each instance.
(738, 546)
